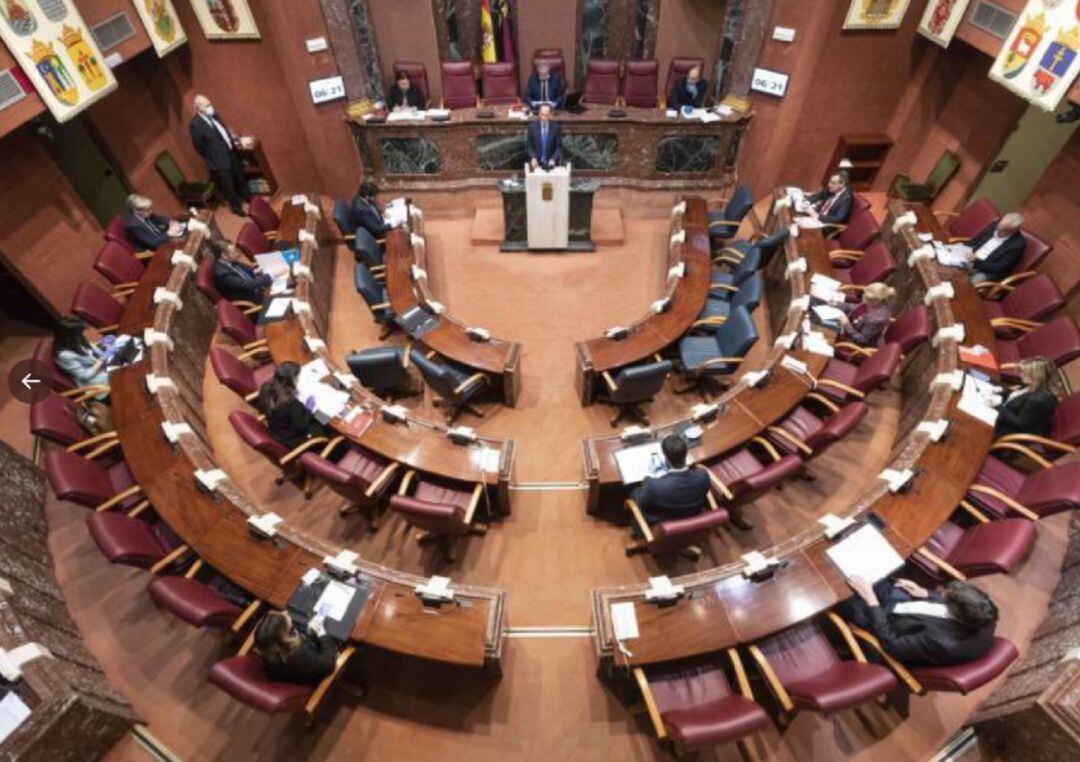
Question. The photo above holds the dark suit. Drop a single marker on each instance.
(556, 90)
(917, 639)
(369, 216)
(675, 495)
(839, 210)
(680, 95)
(146, 232)
(235, 280)
(1002, 262)
(410, 97)
(292, 424)
(221, 159)
(547, 153)
(1030, 413)
(309, 664)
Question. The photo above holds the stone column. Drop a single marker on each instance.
(352, 38)
(753, 30)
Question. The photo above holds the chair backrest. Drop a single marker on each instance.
(257, 437)
(799, 653)
(739, 204)
(343, 217)
(876, 370)
(859, 203)
(437, 518)
(114, 231)
(350, 485)
(236, 325)
(500, 84)
(1067, 420)
(1051, 490)
(1036, 250)
(232, 372)
(439, 376)
(458, 84)
(59, 381)
(639, 85)
(943, 171)
(379, 368)
(251, 241)
(837, 426)
(974, 219)
(750, 292)
(749, 265)
(204, 280)
(548, 53)
(672, 536)
(367, 248)
(876, 264)
(243, 678)
(117, 263)
(1057, 340)
(678, 68)
(417, 76)
(366, 285)
(169, 171)
(78, 479)
(738, 333)
(602, 81)
(262, 214)
(909, 330)
(56, 418)
(95, 306)
(861, 230)
(769, 245)
(1033, 299)
(641, 382)
(555, 63)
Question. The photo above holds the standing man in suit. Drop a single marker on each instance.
(997, 250)
(690, 90)
(545, 86)
(832, 204)
(918, 627)
(147, 230)
(217, 144)
(545, 140)
(366, 212)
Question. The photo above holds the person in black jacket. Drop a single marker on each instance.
(690, 90)
(366, 212)
(403, 95)
(143, 228)
(545, 86)
(289, 420)
(1030, 408)
(217, 144)
(290, 657)
(922, 628)
(234, 277)
(832, 204)
(544, 140)
(997, 249)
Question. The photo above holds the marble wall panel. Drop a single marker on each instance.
(409, 156)
(687, 153)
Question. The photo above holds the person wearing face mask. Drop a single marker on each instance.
(144, 229)
(217, 144)
(690, 90)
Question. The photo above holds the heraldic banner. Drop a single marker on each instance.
(225, 19)
(875, 14)
(1039, 60)
(54, 46)
(162, 25)
(940, 20)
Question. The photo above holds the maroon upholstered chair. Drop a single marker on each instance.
(842, 381)
(1035, 252)
(806, 434)
(119, 264)
(98, 308)
(114, 231)
(264, 216)
(204, 282)
(251, 241)
(193, 601)
(417, 77)
(1025, 305)
(969, 676)
(875, 264)
(804, 672)
(130, 541)
(555, 63)
(500, 85)
(88, 482)
(683, 536)
(908, 331)
(741, 477)
(602, 81)
(548, 53)
(679, 68)
(458, 84)
(443, 509)
(60, 381)
(235, 374)
(359, 476)
(852, 240)
(1064, 434)
(56, 419)
(859, 203)
(639, 85)
(1057, 340)
(972, 221)
(987, 547)
(1001, 490)
(239, 327)
(692, 703)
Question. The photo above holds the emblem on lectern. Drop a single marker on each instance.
(87, 64)
(547, 191)
(53, 71)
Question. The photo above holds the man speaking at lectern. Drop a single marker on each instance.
(545, 140)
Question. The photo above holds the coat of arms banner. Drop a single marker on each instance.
(1040, 60)
(162, 25)
(225, 19)
(875, 14)
(940, 20)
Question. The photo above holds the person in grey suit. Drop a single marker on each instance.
(680, 493)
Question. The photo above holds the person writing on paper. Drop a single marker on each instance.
(218, 145)
(997, 249)
(235, 278)
(366, 212)
(545, 86)
(865, 322)
(545, 140)
(918, 627)
(403, 95)
(146, 230)
(290, 657)
(832, 204)
(289, 420)
(1030, 408)
(690, 90)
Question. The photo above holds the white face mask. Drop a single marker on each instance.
(209, 111)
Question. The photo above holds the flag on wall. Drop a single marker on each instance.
(162, 25)
(504, 39)
(875, 14)
(59, 55)
(488, 52)
(940, 20)
(1041, 57)
(225, 19)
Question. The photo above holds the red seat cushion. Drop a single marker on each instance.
(964, 678)
(737, 466)
(726, 719)
(242, 678)
(1004, 478)
(57, 419)
(195, 602)
(842, 372)
(124, 540)
(363, 465)
(844, 685)
(77, 479)
(994, 548)
(800, 422)
(431, 492)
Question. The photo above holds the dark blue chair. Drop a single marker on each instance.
(739, 270)
(343, 220)
(705, 358)
(367, 250)
(717, 309)
(456, 385)
(383, 370)
(724, 224)
(634, 385)
(767, 247)
(378, 301)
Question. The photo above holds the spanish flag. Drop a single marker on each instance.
(488, 52)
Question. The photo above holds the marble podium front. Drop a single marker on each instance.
(515, 215)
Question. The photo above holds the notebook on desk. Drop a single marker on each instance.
(416, 322)
(635, 463)
(340, 603)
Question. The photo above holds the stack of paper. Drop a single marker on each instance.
(865, 553)
(808, 223)
(405, 116)
(825, 288)
(438, 113)
(827, 314)
(334, 601)
(325, 400)
(978, 400)
(12, 714)
(952, 254)
(635, 463)
(624, 621)
(278, 307)
(396, 212)
(817, 343)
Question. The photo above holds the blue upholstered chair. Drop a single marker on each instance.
(454, 384)
(724, 224)
(378, 301)
(383, 370)
(716, 310)
(633, 386)
(705, 358)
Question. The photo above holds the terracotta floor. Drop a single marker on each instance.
(548, 554)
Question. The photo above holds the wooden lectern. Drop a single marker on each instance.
(547, 195)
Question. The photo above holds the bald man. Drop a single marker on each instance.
(997, 250)
(217, 144)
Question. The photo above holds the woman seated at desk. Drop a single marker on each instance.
(73, 353)
(288, 419)
(1029, 409)
(865, 322)
(290, 657)
(403, 95)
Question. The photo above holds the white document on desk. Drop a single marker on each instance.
(12, 714)
(324, 399)
(865, 553)
(635, 463)
(952, 254)
(397, 212)
(827, 313)
(975, 400)
(809, 223)
(624, 621)
(335, 600)
(278, 307)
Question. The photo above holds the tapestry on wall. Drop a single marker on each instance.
(162, 25)
(225, 19)
(1040, 60)
(941, 18)
(875, 14)
(54, 47)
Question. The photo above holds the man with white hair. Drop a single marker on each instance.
(545, 86)
(143, 228)
(217, 144)
(997, 250)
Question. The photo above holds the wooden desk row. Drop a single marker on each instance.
(723, 609)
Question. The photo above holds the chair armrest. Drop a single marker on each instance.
(167, 560)
(102, 449)
(1006, 284)
(852, 287)
(740, 674)
(609, 381)
(474, 501)
(724, 287)
(795, 441)
(844, 256)
(300, 449)
(403, 488)
(142, 256)
(84, 392)
(982, 489)
(244, 304)
(856, 253)
(1017, 324)
(852, 347)
(252, 396)
(901, 671)
(1053, 444)
(842, 387)
(91, 441)
(108, 328)
(650, 702)
(849, 639)
(141, 506)
(822, 399)
(639, 519)
(1025, 451)
(270, 235)
(718, 223)
(974, 512)
(131, 285)
(378, 268)
(732, 251)
(118, 498)
(473, 379)
(193, 569)
(939, 213)
(254, 344)
(382, 479)
(727, 259)
(719, 486)
(768, 447)
(252, 310)
(721, 361)
(380, 306)
(941, 563)
(324, 686)
(770, 677)
(331, 445)
(245, 616)
(252, 353)
(709, 321)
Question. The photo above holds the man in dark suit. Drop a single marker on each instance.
(545, 86)
(143, 228)
(545, 140)
(291, 657)
(690, 90)
(997, 249)
(922, 628)
(832, 204)
(216, 143)
(235, 278)
(366, 212)
(680, 493)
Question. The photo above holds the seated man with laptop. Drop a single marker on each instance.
(678, 491)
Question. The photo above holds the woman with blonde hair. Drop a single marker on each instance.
(865, 322)
(1029, 409)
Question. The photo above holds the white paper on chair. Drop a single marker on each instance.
(489, 459)
(865, 553)
(12, 714)
(278, 307)
(335, 600)
(624, 620)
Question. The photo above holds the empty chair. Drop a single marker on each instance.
(1064, 433)
(691, 702)
(375, 295)
(682, 536)
(873, 266)
(344, 222)
(925, 192)
(677, 69)
(601, 81)
(443, 509)
(633, 386)
(114, 231)
(235, 374)
(639, 84)
(1057, 340)
(417, 77)
(1021, 309)
(852, 240)
(455, 384)
(807, 434)
(90, 483)
(741, 477)
(1002, 490)
(120, 265)
(804, 672)
(193, 601)
(458, 85)
(500, 85)
(716, 309)
(98, 308)
(703, 358)
(739, 270)
(986, 547)
(972, 221)
(131, 541)
(359, 476)
(188, 192)
(263, 215)
(383, 370)
(58, 420)
(251, 241)
(368, 251)
(908, 331)
(766, 246)
(724, 224)
(842, 381)
(239, 327)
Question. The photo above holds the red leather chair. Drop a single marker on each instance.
(602, 81)
(555, 63)
(264, 216)
(204, 282)
(842, 381)
(742, 477)
(1064, 435)
(251, 241)
(500, 85)
(193, 601)
(692, 703)
(239, 327)
(359, 476)
(987, 547)
(443, 509)
(120, 265)
(1001, 490)
(1035, 252)
(804, 672)
(130, 541)
(88, 482)
(684, 536)
(233, 373)
(56, 419)
(679, 68)
(853, 239)
(1022, 308)
(458, 84)
(114, 231)
(970, 676)
(875, 264)
(1057, 340)
(60, 381)
(972, 221)
(639, 85)
(97, 307)
(548, 53)
(257, 437)
(909, 330)
(859, 203)
(806, 434)
(417, 77)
